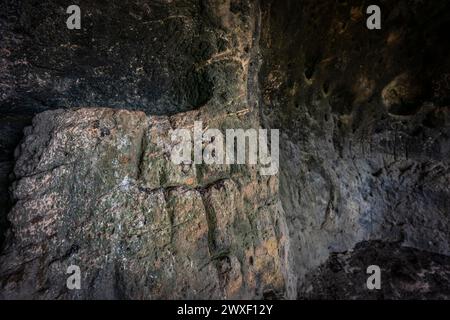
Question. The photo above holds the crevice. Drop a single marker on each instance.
(142, 152)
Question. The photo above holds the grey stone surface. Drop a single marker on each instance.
(85, 194)
(158, 56)
(365, 124)
(365, 117)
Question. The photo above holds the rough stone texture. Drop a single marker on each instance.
(10, 135)
(366, 123)
(84, 196)
(95, 187)
(406, 274)
(160, 57)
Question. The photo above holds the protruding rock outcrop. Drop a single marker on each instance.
(96, 188)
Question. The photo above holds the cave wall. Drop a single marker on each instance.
(96, 188)
(142, 55)
(365, 120)
(91, 182)
(160, 57)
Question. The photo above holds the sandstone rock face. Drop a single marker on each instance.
(96, 188)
